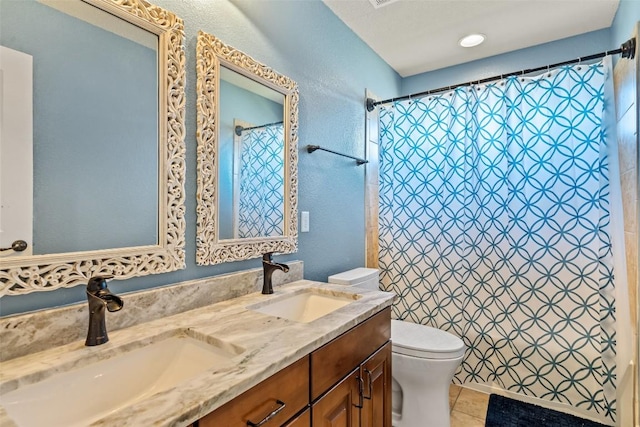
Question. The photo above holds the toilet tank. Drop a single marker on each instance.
(367, 278)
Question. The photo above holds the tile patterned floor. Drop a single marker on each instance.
(468, 407)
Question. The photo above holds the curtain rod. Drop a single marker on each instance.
(312, 148)
(627, 49)
(239, 128)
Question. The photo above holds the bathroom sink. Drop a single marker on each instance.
(82, 395)
(304, 306)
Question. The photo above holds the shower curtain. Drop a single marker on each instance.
(495, 226)
(261, 184)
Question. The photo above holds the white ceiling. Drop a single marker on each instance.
(415, 36)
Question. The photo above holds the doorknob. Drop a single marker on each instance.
(18, 246)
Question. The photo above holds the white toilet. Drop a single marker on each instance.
(423, 362)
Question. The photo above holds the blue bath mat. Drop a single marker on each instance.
(505, 412)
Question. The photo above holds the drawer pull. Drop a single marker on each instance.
(360, 392)
(268, 417)
(370, 379)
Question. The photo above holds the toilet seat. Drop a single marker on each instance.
(425, 342)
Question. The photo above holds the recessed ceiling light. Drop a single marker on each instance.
(471, 40)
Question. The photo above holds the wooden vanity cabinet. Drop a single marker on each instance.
(345, 383)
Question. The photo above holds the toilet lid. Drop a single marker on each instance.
(423, 341)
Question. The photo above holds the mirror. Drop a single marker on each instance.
(247, 156)
(108, 141)
(251, 158)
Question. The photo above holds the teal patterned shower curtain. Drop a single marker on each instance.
(260, 201)
(495, 225)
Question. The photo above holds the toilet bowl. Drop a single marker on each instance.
(423, 362)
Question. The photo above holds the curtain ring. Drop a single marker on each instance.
(548, 71)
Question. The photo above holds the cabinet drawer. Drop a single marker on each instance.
(330, 363)
(279, 397)
(302, 420)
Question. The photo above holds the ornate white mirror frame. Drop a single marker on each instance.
(212, 53)
(22, 275)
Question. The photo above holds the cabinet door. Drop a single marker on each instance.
(340, 407)
(376, 373)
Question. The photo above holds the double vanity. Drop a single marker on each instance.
(309, 352)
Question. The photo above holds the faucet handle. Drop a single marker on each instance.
(97, 290)
(97, 283)
(267, 257)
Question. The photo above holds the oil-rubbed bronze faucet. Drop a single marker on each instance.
(99, 298)
(269, 267)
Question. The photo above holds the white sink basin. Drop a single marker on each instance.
(305, 306)
(83, 395)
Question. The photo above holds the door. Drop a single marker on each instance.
(340, 407)
(16, 151)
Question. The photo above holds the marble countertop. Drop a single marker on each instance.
(269, 343)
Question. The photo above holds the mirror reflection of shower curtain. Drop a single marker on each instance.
(496, 224)
(260, 191)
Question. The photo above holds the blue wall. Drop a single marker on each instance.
(304, 40)
(626, 18)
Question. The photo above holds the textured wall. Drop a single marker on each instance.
(332, 66)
